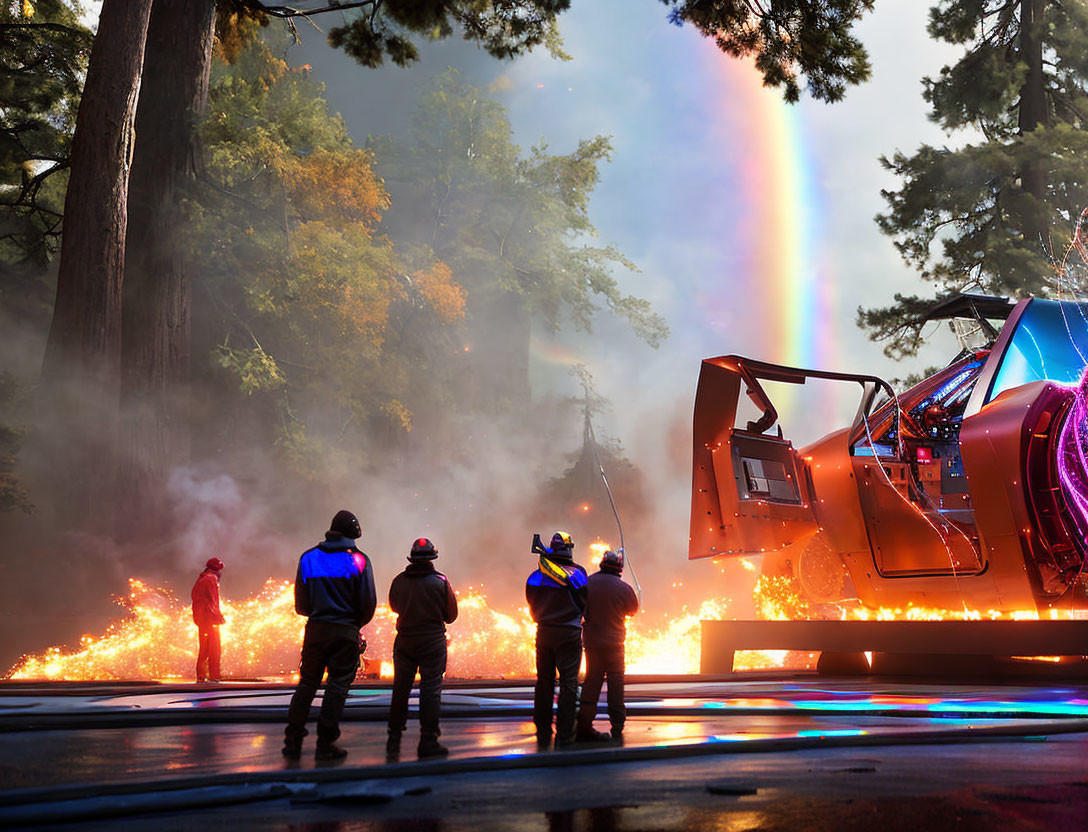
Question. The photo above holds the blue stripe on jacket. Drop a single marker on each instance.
(320, 564)
(538, 578)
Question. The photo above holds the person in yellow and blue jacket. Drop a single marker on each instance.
(556, 593)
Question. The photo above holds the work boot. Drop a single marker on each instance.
(292, 741)
(587, 733)
(392, 745)
(330, 752)
(292, 750)
(566, 742)
(431, 747)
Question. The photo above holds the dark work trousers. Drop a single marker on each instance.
(557, 649)
(331, 646)
(427, 654)
(208, 654)
(600, 662)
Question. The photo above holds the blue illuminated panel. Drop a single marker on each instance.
(1050, 344)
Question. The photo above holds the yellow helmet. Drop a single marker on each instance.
(562, 542)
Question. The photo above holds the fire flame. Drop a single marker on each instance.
(156, 639)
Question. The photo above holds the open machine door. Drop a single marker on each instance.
(752, 491)
(749, 491)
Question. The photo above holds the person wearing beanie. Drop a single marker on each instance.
(334, 588)
(556, 593)
(425, 603)
(610, 600)
(207, 617)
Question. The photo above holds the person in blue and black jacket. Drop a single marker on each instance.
(556, 593)
(334, 587)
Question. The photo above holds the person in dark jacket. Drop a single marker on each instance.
(207, 617)
(334, 587)
(424, 603)
(556, 593)
(610, 601)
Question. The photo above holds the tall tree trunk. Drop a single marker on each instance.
(1032, 114)
(158, 289)
(81, 367)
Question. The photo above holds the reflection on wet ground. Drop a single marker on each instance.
(1011, 786)
(737, 694)
(42, 758)
(488, 721)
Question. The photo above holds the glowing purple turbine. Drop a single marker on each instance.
(1072, 456)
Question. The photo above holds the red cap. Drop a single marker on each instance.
(214, 563)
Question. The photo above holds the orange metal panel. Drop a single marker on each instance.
(993, 443)
(749, 493)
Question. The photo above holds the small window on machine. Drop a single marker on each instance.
(768, 478)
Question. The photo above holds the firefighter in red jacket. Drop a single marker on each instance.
(207, 617)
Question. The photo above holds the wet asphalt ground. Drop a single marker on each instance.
(738, 753)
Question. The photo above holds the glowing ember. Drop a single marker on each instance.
(778, 598)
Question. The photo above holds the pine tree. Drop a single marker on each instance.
(787, 39)
(987, 214)
(44, 51)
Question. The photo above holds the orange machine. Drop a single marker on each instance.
(970, 488)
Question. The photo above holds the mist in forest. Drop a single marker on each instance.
(351, 348)
(383, 321)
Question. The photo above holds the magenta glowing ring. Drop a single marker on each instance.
(1072, 460)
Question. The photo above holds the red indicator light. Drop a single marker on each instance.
(924, 456)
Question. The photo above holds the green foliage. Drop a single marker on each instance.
(899, 324)
(297, 294)
(788, 39)
(506, 223)
(505, 28)
(991, 212)
(256, 370)
(43, 54)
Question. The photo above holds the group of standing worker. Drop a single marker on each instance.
(334, 589)
(571, 609)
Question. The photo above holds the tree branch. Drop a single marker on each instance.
(288, 12)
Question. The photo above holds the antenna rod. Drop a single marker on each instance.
(615, 513)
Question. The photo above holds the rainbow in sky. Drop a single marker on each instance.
(786, 278)
(787, 207)
(774, 298)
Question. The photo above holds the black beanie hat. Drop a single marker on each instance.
(347, 524)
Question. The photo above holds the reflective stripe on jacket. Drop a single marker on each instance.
(335, 583)
(553, 605)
